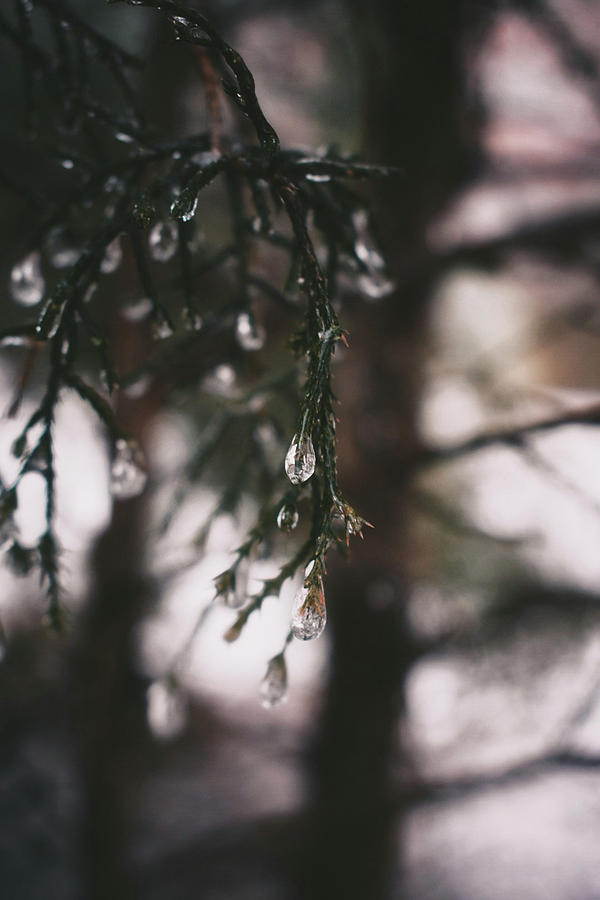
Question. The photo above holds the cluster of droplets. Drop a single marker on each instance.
(309, 613)
(128, 474)
(300, 460)
(273, 687)
(26, 280)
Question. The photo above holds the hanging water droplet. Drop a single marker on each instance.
(249, 335)
(273, 687)
(128, 474)
(112, 257)
(300, 460)
(161, 328)
(67, 163)
(162, 240)
(184, 208)
(26, 280)
(287, 517)
(166, 709)
(309, 614)
(375, 284)
(123, 137)
(319, 179)
(61, 252)
(138, 310)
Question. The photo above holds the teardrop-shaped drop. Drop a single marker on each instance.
(26, 280)
(273, 687)
(112, 257)
(249, 334)
(128, 474)
(162, 240)
(309, 614)
(287, 517)
(300, 460)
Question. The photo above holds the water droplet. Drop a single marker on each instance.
(114, 184)
(287, 517)
(162, 241)
(273, 687)
(67, 163)
(166, 709)
(319, 179)
(90, 291)
(26, 280)
(138, 310)
(123, 137)
(61, 252)
(192, 321)
(309, 614)
(371, 257)
(300, 460)
(112, 257)
(249, 335)
(376, 285)
(220, 381)
(161, 329)
(128, 474)
(184, 208)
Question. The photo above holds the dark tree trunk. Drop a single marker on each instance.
(415, 117)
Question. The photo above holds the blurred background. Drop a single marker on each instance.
(442, 739)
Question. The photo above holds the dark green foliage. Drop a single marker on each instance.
(121, 178)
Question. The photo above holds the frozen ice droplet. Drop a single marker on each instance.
(26, 280)
(273, 687)
(249, 335)
(300, 460)
(309, 614)
(162, 240)
(112, 257)
(128, 474)
(287, 517)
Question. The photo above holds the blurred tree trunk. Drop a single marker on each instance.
(416, 116)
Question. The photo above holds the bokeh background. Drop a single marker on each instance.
(442, 739)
